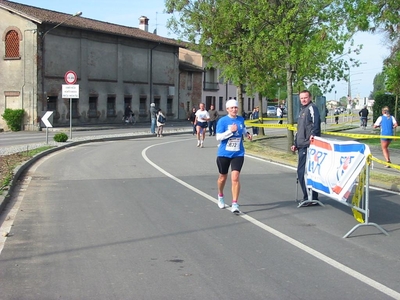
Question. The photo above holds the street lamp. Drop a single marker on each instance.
(77, 14)
(349, 83)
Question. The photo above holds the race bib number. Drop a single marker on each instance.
(233, 144)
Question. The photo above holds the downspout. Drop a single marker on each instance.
(151, 72)
(24, 77)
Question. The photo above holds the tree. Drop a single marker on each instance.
(379, 85)
(392, 74)
(262, 43)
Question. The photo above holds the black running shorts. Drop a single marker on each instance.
(235, 163)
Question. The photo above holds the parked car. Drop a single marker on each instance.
(271, 111)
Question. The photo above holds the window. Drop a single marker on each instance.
(12, 44)
(111, 106)
(92, 113)
(221, 103)
(157, 102)
(169, 106)
(75, 113)
(142, 106)
(127, 101)
(190, 81)
(52, 103)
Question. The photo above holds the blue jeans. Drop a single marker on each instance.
(153, 125)
(211, 127)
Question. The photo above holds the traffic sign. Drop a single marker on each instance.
(70, 91)
(70, 77)
(45, 119)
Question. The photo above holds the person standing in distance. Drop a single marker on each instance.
(153, 115)
(192, 118)
(308, 126)
(230, 131)
(255, 116)
(213, 120)
(387, 123)
(279, 114)
(202, 117)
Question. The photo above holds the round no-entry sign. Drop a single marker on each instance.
(70, 77)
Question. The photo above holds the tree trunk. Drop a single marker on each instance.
(240, 99)
(289, 86)
(261, 132)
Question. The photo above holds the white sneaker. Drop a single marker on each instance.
(221, 202)
(235, 208)
(201, 145)
(198, 143)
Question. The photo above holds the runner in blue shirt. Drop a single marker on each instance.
(230, 131)
(387, 123)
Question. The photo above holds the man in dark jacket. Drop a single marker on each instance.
(364, 116)
(308, 126)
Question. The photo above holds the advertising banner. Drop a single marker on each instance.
(333, 166)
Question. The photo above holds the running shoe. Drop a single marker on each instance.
(235, 208)
(198, 143)
(221, 202)
(201, 145)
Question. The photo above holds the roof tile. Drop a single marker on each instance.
(54, 17)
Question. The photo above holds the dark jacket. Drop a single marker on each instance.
(308, 123)
(192, 117)
(363, 113)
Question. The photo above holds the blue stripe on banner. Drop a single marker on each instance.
(318, 185)
(349, 148)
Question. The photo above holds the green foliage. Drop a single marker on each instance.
(35, 151)
(61, 137)
(14, 118)
(379, 85)
(382, 100)
(265, 44)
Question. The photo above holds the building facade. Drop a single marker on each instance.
(115, 65)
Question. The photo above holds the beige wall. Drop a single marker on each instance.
(18, 77)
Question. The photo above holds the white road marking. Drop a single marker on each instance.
(326, 259)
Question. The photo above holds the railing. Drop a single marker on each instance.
(211, 86)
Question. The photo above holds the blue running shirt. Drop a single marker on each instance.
(231, 146)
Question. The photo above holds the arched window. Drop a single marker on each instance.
(12, 44)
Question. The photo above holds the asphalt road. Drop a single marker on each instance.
(138, 219)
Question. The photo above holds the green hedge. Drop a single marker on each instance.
(60, 137)
(14, 118)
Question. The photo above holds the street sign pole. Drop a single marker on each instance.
(70, 78)
(70, 118)
(47, 123)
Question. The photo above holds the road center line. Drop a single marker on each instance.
(353, 273)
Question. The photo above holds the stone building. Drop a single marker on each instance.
(115, 65)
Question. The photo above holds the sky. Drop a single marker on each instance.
(128, 12)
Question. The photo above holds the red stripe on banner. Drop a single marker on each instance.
(321, 144)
